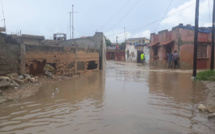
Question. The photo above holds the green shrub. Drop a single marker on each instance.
(206, 76)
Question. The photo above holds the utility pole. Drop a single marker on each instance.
(3, 16)
(117, 40)
(212, 47)
(196, 39)
(124, 34)
(71, 23)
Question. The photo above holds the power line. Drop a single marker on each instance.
(113, 15)
(126, 13)
(163, 15)
(150, 23)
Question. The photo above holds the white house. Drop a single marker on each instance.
(135, 47)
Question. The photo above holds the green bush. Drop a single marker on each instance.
(206, 76)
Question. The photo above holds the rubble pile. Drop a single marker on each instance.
(203, 108)
(14, 86)
(15, 80)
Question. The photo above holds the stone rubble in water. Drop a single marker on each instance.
(202, 108)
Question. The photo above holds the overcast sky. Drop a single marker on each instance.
(138, 17)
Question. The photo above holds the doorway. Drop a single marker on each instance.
(139, 52)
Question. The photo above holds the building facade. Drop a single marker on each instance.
(181, 39)
(115, 52)
(135, 47)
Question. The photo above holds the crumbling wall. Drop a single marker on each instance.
(95, 42)
(74, 56)
(66, 60)
(9, 56)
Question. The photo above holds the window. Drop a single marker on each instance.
(128, 53)
(155, 50)
(202, 51)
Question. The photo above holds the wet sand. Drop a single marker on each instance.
(210, 102)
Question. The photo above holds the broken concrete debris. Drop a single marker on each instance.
(13, 80)
(49, 74)
(202, 108)
(49, 68)
(4, 84)
(20, 77)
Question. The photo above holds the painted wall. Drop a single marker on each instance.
(132, 57)
(183, 43)
(133, 52)
(146, 51)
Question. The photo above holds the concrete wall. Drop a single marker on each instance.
(132, 53)
(9, 57)
(68, 57)
(67, 60)
(95, 42)
(29, 39)
(147, 54)
(115, 55)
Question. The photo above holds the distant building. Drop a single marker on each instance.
(181, 39)
(2, 29)
(115, 52)
(135, 47)
(59, 36)
(137, 41)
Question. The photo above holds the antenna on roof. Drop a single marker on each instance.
(71, 24)
(3, 15)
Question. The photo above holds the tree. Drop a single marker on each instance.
(123, 43)
(108, 42)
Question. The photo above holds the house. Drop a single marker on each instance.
(135, 47)
(181, 39)
(115, 52)
(2, 29)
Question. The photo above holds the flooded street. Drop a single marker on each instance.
(126, 98)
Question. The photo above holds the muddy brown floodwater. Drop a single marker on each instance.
(126, 98)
